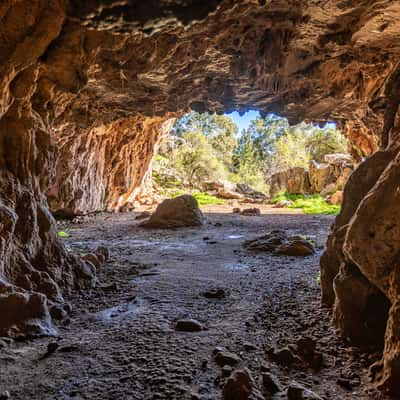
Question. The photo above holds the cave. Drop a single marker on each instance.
(88, 91)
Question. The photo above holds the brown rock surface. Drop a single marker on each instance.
(86, 86)
(293, 180)
(176, 213)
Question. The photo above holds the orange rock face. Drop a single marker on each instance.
(88, 88)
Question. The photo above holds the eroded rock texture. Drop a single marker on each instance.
(87, 87)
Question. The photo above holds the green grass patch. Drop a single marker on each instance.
(204, 199)
(310, 204)
(62, 234)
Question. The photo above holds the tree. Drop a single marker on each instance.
(325, 141)
(196, 160)
(247, 162)
(219, 130)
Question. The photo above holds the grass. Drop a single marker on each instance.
(310, 204)
(204, 199)
(62, 234)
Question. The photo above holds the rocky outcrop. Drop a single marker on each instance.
(293, 180)
(106, 167)
(234, 191)
(325, 178)
(85, 84)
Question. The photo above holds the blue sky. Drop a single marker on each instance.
(243, 121)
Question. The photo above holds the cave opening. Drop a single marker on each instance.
(124, 298)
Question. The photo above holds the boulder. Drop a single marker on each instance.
(328, 189)
(333, 173)
(250, 194)
(294, 180)
(279, 243)
(336, 198)
(176, 213)
(320, 175)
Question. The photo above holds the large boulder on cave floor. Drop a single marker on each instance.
(179, 212)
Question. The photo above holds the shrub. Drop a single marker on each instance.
(310, 204)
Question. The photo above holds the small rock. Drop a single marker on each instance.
(271, 383)
(240, 386)
(224, 357)
(249, 346)
(143, 215)
(284, 203)
(236, 210)
(296, 247)
(188, 325)
(284, 357)
(345, 383)
(217, 293)
(51, 348)
(251, 212)
(57, 312)
(296, 391)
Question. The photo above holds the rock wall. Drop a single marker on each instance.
(74, 75)
(104, 168)
(293, 180)
(324, 178)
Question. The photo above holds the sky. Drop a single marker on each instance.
(243, 121)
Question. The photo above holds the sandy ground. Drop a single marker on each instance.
(120, 341)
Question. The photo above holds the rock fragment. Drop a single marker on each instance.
(188, 325)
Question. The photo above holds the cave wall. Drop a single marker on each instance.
(104, 168)
(87, 89)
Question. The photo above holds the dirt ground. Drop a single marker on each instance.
(120, 341)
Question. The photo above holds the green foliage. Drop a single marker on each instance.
(204, 199)
(62, 234)
(197, 161)
(310, 204)
(325, 141)
(206, 147)
(248, 163)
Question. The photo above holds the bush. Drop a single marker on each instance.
(310, 204)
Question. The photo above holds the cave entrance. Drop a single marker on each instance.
(222, 158)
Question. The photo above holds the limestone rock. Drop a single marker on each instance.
(188, 325)
(294, 180)
(336, 198)
(176, 213)
(279, 243)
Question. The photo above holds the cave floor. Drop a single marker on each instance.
(120, 342)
